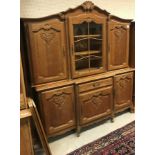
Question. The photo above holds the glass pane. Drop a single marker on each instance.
(95, 61)
(81, 29)
(95, 45)
(87, 45)
(95, 28)
(81, 44)
(82, 63)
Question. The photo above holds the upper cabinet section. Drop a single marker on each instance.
(79, 42)
(47, 50)
(118, 43)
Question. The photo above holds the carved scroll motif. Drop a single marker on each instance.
(96, 100)
(88, 6)
(48, 35)
(123, 81)
(119, 31)
(58, 99)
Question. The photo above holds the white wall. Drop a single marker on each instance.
(42, 8)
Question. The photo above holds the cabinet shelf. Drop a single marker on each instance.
(87, 36)
(92, 57)
(86, 53)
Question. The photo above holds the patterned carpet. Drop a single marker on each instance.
(118, 142)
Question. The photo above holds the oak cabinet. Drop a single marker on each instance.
(79, 66)
(123, 84)
(95, 104)
(58, 109)
(118, 42)
(87, 44)
(47, 51)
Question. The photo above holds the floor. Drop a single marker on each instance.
(71, 142)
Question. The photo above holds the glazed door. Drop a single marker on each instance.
(118, 45)
(47, 51)
(87, 44)
(95, 104)
(58, 109)
(123, 87)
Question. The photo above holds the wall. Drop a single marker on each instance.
(42, 8)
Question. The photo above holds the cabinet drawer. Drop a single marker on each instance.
(95, 84)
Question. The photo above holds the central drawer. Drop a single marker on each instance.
(95, 84)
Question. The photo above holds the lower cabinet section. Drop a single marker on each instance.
(123, 86)
(74, 106)
(58, 110)
(95, 104)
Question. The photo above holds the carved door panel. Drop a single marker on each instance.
(96, 104)
(87, 44)
(118, 44)
(58, 109)
(47, 51)
(123, 90)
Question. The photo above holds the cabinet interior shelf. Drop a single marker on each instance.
(92, 57)
(87, 36)
(86, 53)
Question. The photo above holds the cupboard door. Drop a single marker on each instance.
(96, 104)
(58, 109)
(47, 51)
(118, 38)
(87, 44)
(123, 90)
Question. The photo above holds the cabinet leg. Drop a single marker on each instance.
(78, 131)
(112, 118)
(132, 110)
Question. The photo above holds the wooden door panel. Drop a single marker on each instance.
(96, 104)
(47, 46)
(58, 109)
(118, 45)
(123, 90)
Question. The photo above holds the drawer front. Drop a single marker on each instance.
(58, 109)
(96, 104)
(95, 84)
(123, 86)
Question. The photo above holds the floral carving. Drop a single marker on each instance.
(97, 100)
(88, 6)
(122, 82)
(48, 35)
(58, 99)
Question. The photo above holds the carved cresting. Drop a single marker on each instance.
(58, 99)
(88, 6)
(123, 80)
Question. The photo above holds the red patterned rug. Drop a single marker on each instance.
(118, 142)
